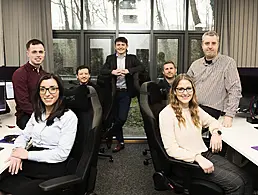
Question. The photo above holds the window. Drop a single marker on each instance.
(167, 49)
(99, 14)
(90, 39)
(138, 44)
(65, 56)
(134, 15)
(196, 51)
(169, 15)
(66, 14)
(99, 50)
(201, 15)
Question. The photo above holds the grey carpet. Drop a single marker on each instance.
(126, 175)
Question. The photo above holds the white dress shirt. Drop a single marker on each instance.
(58, 139)
(121, 82)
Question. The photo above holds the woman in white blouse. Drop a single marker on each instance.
(181, 124)
(52, 130)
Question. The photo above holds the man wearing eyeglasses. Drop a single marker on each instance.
(25, 79)
(217, 81)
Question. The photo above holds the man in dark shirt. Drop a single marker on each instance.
(83, 76)
(169, 73)
(25, 79)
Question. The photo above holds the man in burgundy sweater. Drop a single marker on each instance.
(25, 79)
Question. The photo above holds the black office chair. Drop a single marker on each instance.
(163, 99)
(105, 86)
(82, 161)
(170, 174)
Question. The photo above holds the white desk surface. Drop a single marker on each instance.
(5, 120)
(241, 137)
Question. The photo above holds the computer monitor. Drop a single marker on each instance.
(2, 97)
(6, 73)
(249, 80)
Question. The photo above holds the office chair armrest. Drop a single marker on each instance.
(59, 182)
(184, 164)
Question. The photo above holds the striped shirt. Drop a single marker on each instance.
(217, 84)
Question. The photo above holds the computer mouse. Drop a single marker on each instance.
(10, 138)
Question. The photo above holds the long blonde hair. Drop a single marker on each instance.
(193, 105)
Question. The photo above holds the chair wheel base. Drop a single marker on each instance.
(146, 162)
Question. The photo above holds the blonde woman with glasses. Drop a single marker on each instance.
(181, 125)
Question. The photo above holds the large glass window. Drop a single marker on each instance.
(169, 15)
(201, 15)
(65, 56)
(99, 14)
(167, 49)
(66, 14)
(195, 50)
(152, 41)
(138, 44)
(134, 15)
(99, 50)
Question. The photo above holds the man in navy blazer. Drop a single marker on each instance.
(121, 67)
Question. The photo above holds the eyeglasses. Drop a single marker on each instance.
(51, 90)
(182, 90)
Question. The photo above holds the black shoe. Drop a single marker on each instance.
(119, 147)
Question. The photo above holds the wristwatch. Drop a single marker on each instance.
(218, 132)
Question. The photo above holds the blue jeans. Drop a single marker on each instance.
(121, 108)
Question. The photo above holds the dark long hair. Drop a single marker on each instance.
(59, 107)
(193, 105)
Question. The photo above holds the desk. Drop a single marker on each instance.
(7, 119)
(241, 137)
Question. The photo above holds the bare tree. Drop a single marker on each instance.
(195, 13)
(87, 11)
(72, 13)
(77, 11)
(113, 10)
(63, 4)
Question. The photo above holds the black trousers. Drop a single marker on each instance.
(22, 121)
(120, 111)
(27, 181)
(232, 179)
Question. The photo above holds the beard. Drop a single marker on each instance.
(169, 76)
(210, 54)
